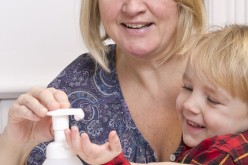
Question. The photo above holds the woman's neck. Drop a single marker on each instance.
(151, 63)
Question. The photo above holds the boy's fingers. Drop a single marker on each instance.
(114, 142)
(68, 136)
(75, 139)
(87, 146)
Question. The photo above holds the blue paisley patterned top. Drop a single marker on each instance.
(98, 93)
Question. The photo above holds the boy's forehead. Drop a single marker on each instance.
(198, 76)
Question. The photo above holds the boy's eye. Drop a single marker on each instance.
(187, 88)
(213, 101)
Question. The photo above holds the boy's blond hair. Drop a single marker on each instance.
(192, 19)
(222, 57)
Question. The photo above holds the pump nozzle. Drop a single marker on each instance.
(59, 151)
(77, 112)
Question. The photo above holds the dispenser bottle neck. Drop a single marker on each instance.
(60, 123)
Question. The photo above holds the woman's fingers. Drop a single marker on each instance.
(19, 112)
(51, 98)
(35, 104)
(27, 120)
(27, 102)
(61, 98)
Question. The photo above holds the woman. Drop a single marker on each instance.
(130, 86)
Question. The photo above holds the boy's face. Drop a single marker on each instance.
(206, 110)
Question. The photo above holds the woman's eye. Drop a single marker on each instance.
(213, 101)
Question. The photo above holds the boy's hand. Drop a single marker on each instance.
(93, 153)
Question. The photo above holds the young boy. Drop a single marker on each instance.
(212, 105)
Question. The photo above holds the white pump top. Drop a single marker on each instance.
(59, 151)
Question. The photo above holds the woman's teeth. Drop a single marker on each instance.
(136, 26)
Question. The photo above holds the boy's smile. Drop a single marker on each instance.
(206, 110)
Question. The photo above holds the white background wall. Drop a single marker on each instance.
(222, 12)
(39, 38)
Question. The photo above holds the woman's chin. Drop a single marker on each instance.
(141, 51)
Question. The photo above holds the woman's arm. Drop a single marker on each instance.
(12, 153)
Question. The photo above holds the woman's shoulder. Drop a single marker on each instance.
(81, 72)
(87, 62)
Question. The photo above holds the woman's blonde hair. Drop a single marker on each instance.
(192, 19)
(222, 57)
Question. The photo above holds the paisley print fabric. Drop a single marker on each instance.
(99, 95)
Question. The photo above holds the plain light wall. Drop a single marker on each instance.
(223, 12)
(38, 38)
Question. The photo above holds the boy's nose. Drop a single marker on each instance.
(191, 104)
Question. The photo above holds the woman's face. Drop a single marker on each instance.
(140, 27)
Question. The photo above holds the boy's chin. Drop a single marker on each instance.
(190, 141)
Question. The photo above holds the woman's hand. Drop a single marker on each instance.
(93, 153)
(27, 123)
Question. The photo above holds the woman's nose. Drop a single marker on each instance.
(133, 7)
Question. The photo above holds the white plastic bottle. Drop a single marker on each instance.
(58, 152)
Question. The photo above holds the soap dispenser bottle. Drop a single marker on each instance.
(58, 152)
